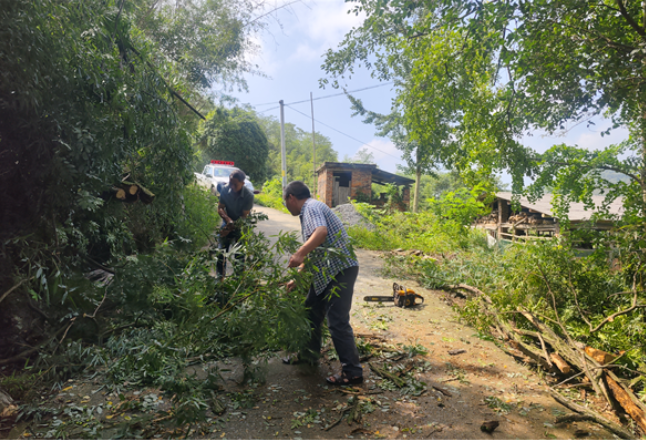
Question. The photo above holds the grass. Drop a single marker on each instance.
(404, 230)
(270, 201)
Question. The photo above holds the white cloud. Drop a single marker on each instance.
(321, 26)
(386, 155)
(594, 141)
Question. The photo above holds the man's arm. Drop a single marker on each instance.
(222, 212)
(315, 240)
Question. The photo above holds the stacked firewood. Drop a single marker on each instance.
(518, 218)
(529, 219)
(487, 219)
(131, 192)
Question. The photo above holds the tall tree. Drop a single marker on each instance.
(91, 93)
(363, 155)
(419, 155)
(235, 135)
(507, 68)
(298, 147)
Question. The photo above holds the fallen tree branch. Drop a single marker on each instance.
(625, 399)
(398, 381)
(26, 353)
(591, 415)
(441, 390)
(547, 355)
(369, 336)
(4, 295)
(65, 334)
(468, 288)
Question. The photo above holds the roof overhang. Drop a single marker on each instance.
(380, 177)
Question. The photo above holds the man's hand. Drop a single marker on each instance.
(227, 229)
(296, 260)
(290, 285)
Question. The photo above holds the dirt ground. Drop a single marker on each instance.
(478, 385)
(484, 383)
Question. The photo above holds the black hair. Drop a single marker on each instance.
(238, 174)
(298, 189)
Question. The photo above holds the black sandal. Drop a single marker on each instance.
(342, 378)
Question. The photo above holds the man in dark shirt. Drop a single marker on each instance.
(236, 202)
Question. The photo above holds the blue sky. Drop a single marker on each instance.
(290, 53)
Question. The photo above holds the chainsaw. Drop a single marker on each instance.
(402, 297)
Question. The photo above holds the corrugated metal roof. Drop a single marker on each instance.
(578, 211)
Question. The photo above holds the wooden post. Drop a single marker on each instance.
(499, 229)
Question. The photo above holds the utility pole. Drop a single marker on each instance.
(282, 142)
(315, 185)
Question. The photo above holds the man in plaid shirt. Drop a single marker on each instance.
(327, 245)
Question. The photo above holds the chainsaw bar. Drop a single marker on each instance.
(378, 298)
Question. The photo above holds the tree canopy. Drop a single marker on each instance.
(298, 147)
(93, 94)
(235, 135)
(496, 71)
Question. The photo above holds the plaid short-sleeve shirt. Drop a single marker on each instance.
(315, 214)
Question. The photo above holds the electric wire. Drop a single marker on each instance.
(329, 96)
(268, 110)
(344, 134)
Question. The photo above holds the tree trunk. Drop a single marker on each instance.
(642, 171)
(418, 179)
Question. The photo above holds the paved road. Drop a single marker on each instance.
(278, 222)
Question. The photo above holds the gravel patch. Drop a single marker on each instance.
(350, 217)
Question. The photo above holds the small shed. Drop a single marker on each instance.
(535, 219)
(338, 182)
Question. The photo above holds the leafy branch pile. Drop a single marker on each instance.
(395, 366)
(579, 318)
(162, 323)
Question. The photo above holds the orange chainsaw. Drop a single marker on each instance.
(402, 297)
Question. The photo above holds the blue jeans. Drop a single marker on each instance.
(335, 303)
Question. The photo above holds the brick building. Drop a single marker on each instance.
(338, 182)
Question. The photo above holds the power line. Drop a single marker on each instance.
(344, 134)
(268, 110)
(330, 96)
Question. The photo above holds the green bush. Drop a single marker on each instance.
(200, 216)
(550, 280)
(272, 195)
(406, 230)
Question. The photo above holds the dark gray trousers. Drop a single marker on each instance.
(226, 243)
(335, 303)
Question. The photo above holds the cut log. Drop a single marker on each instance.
(133, 189)
(7, 407)
(560, 363)
(121, 194)
(599, 355)
(626, 402)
